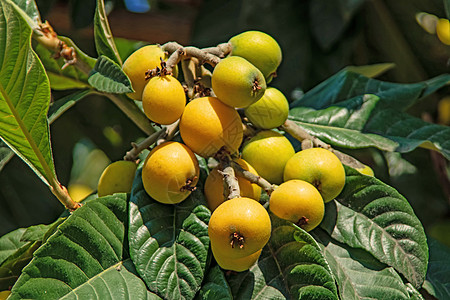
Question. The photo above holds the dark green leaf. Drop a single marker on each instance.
(12, 267)
(108, 77)
(438, 274)
(104, 42)
(346, 84)
(38, 233)
(89, 242)
(5, 154)
(10, 243)
(117, 282)
(447, 8)
(373, 216)
(169, 243)
(358, 274)
(70, 77)
(371, 71)
(410, 132)
(414, 294)
(347, 138)
(24, 95)
(291, 266)
(214, 286)
(60, 106)
(82, 13)
(329, 19)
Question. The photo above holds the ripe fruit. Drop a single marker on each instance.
(235, 264)
(270, 111)
(139, 62)
(299, 202)
(366, 171)
(117, 178)
(207, 125)
(163, 99)
(170, 172)
(319, 167)
(260, 49)
(214, 186)
(443, 31)
(237, 83)
(268, 151)
(79, 191)
(239, 227)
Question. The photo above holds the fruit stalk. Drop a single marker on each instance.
(220, 50)
(253, 178)
(133, 154)
(190, 51)
(169, 133)
(300, 134)
(231, 185)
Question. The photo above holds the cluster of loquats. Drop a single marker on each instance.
(212, 125)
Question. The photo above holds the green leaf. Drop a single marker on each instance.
(29, 8)
(89, 242)
(214, 286)
(447, 8)
(358, 274)
(169, 243)
(371, 71)
(24, 95)
(117, 282)
(38, 233)
(70, 77)
(373, 216)
(12, 267)
(329, 19)
(346, 84)
(10, 243)
(104, 42)
(60, 106)
(438, 274)
(108, 77)
(5, 154)
(410, 132)
(291, 266)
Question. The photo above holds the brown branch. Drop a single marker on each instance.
(136, 149)
(220, 50)
(253, 178)
(230, 183)
(300, 134)
(202, 56)
(170, 132)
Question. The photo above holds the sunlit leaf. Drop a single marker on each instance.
(104, 42)
(24, 95)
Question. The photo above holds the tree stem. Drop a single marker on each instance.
(253, 178)
(230, 183)
(300, 134)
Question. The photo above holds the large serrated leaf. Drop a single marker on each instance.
(214, 286)
(24, 95)
(438, 274)
(117, 282)
(10, 243)
(346, 84)
(104, 42)
(108, 77)
(85, 245)
(169, 243)
(373, 216)
(358, 274)
(70, 77)
(410, 132)
(291, 266)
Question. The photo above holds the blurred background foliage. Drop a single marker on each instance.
(318, 38)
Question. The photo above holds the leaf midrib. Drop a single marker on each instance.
(48, 173)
